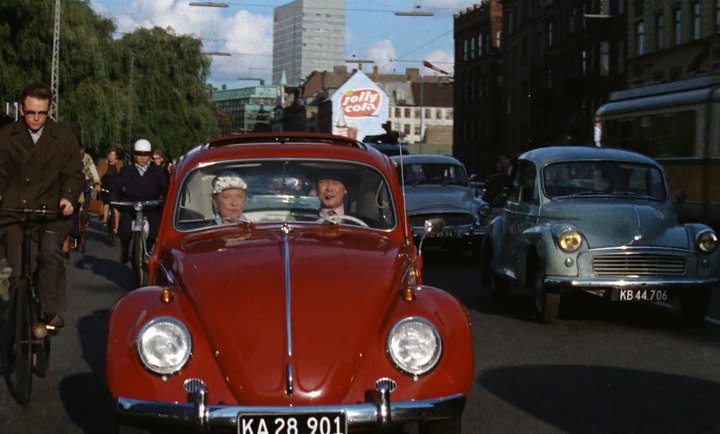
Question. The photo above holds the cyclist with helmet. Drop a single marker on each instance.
(139, 181)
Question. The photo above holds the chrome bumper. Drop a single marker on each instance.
(366, 415)
(570, 282)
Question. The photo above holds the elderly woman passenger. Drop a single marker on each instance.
(229, 192)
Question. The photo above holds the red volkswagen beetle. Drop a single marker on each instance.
(286, 297)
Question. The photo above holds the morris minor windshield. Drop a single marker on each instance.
(271, 191)
(434, 174)
(603, 178)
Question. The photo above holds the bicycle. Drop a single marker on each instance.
(140, 231)
(28, 348)
(110, 222)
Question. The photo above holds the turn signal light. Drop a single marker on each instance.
(167, 295)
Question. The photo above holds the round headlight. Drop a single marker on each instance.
(707, 241)
(164, 345)
(569, 240)
(484, 210)
(414, 345)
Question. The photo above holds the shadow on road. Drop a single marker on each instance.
(645, 402)
(85, 396)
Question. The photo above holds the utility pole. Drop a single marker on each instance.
(131, 93)
(54, 80)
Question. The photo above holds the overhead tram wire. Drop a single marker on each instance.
(417, 48)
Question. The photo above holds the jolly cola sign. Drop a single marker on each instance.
(359, 103)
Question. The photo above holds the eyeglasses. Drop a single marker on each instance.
(157, 158)
(40, 114)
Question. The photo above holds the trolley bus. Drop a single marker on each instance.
(678, 124)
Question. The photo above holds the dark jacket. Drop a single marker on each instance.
(130, 186)
(36, 175)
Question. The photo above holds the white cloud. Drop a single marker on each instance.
(248, 37)
(384, 54)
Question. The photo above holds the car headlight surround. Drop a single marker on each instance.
(707, 241)
(569, 240)
(484, 210)
(164, 345)
(414, 345)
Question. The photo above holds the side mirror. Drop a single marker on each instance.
(431, 226)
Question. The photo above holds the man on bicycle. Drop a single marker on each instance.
(39, 168)
(136, 182)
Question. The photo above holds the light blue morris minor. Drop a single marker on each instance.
(598, 220)
(437, 187)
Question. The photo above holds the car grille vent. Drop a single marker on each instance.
(451, 219)
(642, 264)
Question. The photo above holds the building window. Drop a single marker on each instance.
(660, 31)
(398, 112)
(717, 15)
(416, 112)
(449, 114)
(604, 58)
(407, 112)
(621, 58)
(438, 114)
(696, 21)
(472, 47)
(416, 131)
(550, 33)
(406, 128)
(640, 38)
(510, 22)
(428, 113)
(481, 46)
(620, 7)
(584, 64)
(465, 49)
(677, 26)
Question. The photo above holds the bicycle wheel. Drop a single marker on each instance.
(21, 358)
(138, 260)
(42, 357)
(110, 226)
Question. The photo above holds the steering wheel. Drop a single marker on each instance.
(337, 218)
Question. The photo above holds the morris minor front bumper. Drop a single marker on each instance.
(378, 414)
(567, 283)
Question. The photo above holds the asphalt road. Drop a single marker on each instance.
(601, 369)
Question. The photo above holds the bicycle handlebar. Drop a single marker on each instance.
(134, 204)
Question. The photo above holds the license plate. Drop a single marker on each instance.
(446, 233)
(314, 423)
(643, 295)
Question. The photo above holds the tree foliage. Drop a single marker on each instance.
(149, 83)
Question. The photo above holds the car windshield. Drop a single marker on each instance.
(592, 178)
(322, 192)
(434, 173)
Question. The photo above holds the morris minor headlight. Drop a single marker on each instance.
(569, 240)
(414, 345)
(707, 241)
(164, 345)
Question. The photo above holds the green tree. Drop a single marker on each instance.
(165, 101)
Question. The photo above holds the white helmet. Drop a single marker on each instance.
(142, 145)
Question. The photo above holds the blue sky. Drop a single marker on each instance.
(245, 29)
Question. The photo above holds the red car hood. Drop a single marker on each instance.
(338, 293)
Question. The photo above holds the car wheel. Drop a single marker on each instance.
(447, 426)
(694, 306)
(547, 304)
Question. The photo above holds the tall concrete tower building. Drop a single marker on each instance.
(308, 35)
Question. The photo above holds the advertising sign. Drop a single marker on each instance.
(359, 108)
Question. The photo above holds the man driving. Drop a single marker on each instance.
(331, 191)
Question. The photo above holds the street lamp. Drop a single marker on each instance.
(359, 62)
(210, 4)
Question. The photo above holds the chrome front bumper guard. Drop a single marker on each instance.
(570, 283)
(375, 414)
